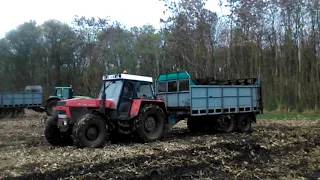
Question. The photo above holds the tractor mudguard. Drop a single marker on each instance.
(137, 104)
(135, 107)
(52, 97)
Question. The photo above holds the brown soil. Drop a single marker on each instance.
(274, 150)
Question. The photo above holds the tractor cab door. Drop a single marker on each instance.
(133, 90)
(126, 97)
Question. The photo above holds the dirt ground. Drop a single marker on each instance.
(276, 149)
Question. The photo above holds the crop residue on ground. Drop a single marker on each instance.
(276, 149)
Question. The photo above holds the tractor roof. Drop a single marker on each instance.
(62, 87)
(127, 76)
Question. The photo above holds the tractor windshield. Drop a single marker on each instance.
(64, 93)
(113, 89)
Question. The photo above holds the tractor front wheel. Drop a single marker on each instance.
(51, 106)
(150, 123)
(90, 131)
(53, 135)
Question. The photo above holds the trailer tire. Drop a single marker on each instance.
(53, 135)
(195, 126)
(98, 133)
(150, 115)
(2, 113)
(244, 123)
(49, 106)
(226, 123)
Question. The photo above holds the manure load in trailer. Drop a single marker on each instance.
(13, 103)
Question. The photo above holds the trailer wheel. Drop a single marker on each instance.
(17, 112)
(51, 106)
(90, 131)
(150, 123)
(2, 113)
(53, 135)
(195, 126)
(244, 123)
(226, 123)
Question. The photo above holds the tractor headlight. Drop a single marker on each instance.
(61, 103)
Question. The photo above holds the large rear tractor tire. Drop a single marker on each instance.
(53, 135)
(51, 106)
(90, 131)
(150, 124)
(244, 123)
(226, 124)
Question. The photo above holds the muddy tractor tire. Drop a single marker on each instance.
(51, 106)
(226, 124)
(151, 125)
(244, 123)
(90, 131)
(53, 135)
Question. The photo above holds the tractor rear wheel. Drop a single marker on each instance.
(244, 123)
(90, 131)
(53, 135)
(51, 106)
(150, 124)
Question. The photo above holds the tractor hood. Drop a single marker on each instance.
(83, 97)
(85, 102)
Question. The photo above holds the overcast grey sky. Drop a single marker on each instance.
(128, 12)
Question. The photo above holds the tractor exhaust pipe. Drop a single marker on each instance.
(102, 106)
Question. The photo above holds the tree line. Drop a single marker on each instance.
(277, 40)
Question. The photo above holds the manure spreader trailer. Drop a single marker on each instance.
(135, 106)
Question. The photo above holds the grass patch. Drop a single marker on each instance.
(289, 116)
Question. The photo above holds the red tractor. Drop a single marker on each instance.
(126, 105)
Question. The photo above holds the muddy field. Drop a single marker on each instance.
(276, 149)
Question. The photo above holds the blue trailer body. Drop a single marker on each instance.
(220, 99)
(184, 98)
(20, 99)
(30, 97)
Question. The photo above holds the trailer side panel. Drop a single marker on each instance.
(220, 99)
(20, 99)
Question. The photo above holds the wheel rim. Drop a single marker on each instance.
(92, 133)
(225, 121)
(243, 123)
(150, 124)
(53, 108)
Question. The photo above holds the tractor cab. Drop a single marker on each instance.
(123, 89)
(126, 105)
(63, 92)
